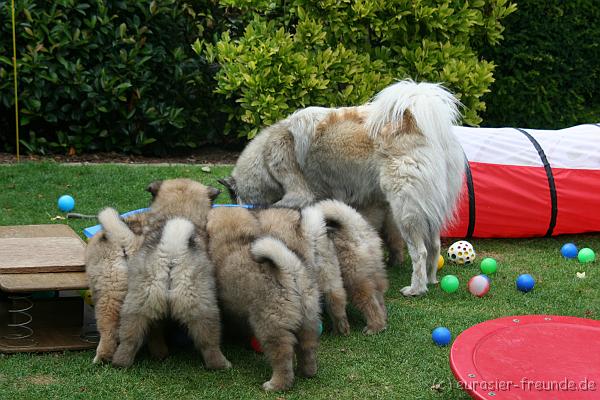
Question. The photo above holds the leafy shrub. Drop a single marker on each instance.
(295, 53)
(106, 75)
(548, 73)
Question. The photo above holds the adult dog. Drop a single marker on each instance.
(395, 157)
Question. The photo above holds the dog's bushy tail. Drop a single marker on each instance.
(115, 228)
(433, 108)
(176, 236)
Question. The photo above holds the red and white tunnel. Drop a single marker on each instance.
(526, 182)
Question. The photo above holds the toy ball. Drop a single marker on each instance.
(525, 282)
(441, 336)
(486, 277)
(479, 285)
(586, 255)
(440, 262)
(489, 265)
(449, 283)
(66, 203)
(569, 250)
(320, 328)
(461, 252)
(255, 344)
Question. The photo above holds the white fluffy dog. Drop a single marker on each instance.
(395, 156)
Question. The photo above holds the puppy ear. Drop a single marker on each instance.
(213, 192)
(154, 187)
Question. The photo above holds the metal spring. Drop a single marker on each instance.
(21, 329)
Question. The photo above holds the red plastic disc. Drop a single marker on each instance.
(529, 357)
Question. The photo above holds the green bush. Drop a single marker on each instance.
(295, 53)
(107, 75)
(548, 73)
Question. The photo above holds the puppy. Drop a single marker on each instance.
(397, 150)
(263, 283)
(344, 252)
(171, 274)
(106, 257)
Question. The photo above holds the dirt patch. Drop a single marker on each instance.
(207, 155)
(41, 380)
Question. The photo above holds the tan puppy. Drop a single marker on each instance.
(106, 257)
(348, 260)
(266, 285)
(171, 274)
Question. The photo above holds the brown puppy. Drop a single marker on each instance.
(106, 257)
(262, 282)
(171, 274)
(348, 260)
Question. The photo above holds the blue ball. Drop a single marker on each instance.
(441, 336)
(66, 203)
(569, 250)
(525, 282)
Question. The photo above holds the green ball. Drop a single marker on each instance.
(586, 255)
(488, 266)
(449, 283)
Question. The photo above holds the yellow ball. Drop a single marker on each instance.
(440, 262)
(87, 296)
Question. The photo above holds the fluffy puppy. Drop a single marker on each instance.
(360, 253)
(305, 233)
(171, 274)
(347, 257)
(397, 150)
(261, 282)
(106, 258)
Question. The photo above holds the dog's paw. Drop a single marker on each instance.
(221, 364)
(342, 327)
(271, 386)
(122, 360)
(433, 281)
(371, 330)
(412, 291)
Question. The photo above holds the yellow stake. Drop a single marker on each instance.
(15, 70)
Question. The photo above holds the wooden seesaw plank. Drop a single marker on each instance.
(41, 254)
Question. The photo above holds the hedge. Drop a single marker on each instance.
(295, 53)
(107, 75)
(548, 73)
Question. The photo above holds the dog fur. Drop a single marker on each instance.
(397, 150)
(171, 274)
(344, 253)
(261, 281)
(106, 258)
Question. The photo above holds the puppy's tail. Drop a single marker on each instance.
(176, 236)
(433, 108)
(340, 216)
(293, 274)
(270, 249)
(115, 228)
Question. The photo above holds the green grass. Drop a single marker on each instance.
(401, 362)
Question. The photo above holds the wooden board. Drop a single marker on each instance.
(43, 281)
(41, 254)
(28, 231)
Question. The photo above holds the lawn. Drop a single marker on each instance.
(401, 362)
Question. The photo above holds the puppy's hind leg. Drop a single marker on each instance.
(306, 349)
(207, 336)
(131, 334)
(278, 346)
(107, 311)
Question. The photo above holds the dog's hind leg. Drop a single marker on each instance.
(131, 335)
(284, 168)
(413, 233)
(278, 346)
(306, 349)
(206, 334)
(107, 311)
(433, 251)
